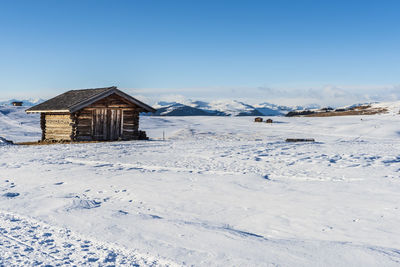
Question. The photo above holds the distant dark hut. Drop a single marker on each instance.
(101, 114)
(328, 109)
(16, 103)
(258, 119)
(268, 121)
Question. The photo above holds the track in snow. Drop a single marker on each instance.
(26, 241)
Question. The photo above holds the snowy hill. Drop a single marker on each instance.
(16, 125)
(392, 107)
(353, 110)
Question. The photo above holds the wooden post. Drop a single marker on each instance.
(74, 123)
(43, 125)
(136, 120)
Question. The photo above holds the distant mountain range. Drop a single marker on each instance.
(202, 108)
(222, 108)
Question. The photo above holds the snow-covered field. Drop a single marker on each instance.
(218, 191)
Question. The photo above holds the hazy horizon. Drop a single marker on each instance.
(324, 96)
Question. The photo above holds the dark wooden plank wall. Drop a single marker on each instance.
(130, 124)
(84, 125)
(114, 118)
(123, 115)
(43, 125)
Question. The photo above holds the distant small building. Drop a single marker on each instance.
(328, 109)
(101, 114)
(268, 121)
(258, 119)
(17, 103)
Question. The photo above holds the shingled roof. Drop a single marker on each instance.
(75, 100)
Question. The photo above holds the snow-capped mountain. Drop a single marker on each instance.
(202, 108)
(268, 109)
(218, 108)
(178, 109)
(234, 108)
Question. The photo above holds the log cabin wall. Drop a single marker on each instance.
(130, 124)
(56, 126)
(83, 125)
(111, 118)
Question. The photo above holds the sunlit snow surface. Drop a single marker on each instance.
(218, 191)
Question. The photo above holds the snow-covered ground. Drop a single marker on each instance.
(218, 191)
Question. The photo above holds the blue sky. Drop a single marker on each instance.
(329, 51)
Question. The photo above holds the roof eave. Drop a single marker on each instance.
(48, 111)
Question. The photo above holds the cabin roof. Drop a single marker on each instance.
(75, 100)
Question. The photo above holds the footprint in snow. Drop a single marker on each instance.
(11, 195)
(84, 204)
(123, 212)
(35, 243)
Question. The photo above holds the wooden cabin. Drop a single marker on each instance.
(17, 103)
(101, 114)
(258, 119)
(269, 121)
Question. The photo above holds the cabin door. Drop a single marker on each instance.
(106, 124)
